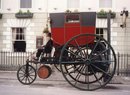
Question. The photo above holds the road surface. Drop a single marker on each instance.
(9, 85)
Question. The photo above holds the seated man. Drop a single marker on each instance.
(45, 49)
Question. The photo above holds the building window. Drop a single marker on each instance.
(18, 37)
(25, 3)
(0, 4)
(101, 32)
(105, 3)
(73, 3)
(39, 41)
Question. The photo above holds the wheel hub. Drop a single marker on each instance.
(88, 61)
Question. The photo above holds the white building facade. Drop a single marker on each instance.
(27, 30)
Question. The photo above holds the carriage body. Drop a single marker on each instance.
(64, 26)
(87, 61)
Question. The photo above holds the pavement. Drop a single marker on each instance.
(57, 76)
(56, 85)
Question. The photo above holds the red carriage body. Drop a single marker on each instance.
(64, 26)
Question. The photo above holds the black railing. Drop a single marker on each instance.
(123, 64)
(13, 60)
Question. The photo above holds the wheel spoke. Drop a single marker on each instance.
(85, 55)
(72, 67)
(23, 70)
(104, 61)
(101, 70)
(79, 74)
(69, 68)
(94, 48)
(69, 51)
(31, 77)
(78, 67)
(30, 69)
(23, 78)
(95, 75)
(21, 73)
(71, 72)
(28, 79)
(100, 54)
(79, 48)
(71, 62)
(31, 72)
(77, 77)
(87, 77)
(87, 52)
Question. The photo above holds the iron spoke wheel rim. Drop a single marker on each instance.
(93, 66)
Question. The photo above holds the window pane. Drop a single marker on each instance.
(73, 3)
(97, 30)
(105, 3)
(39, 41)
(100, 32)
(25, 3)
(0, 4)
(18, 34)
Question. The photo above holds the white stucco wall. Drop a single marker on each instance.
(118, 5)
(120, 37)
(61, 5)
(86, 4)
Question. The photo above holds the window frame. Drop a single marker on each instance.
(104, 32)
(39, 41)
(0, 4)
(21, 39)
(103, 6)
(14, 34)
(68, 5)
(25, 7)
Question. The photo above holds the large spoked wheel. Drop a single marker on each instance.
(87, 62)
(26, 74)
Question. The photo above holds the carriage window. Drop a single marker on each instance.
(70, 18)
(18, 38)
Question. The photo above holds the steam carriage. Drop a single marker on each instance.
(86, 60)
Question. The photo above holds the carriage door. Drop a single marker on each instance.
(18, 37)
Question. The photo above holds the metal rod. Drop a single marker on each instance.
(109, 28)
(109, 32)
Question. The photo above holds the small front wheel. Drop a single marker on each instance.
(26, 74)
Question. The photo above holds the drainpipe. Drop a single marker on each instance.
(109, 28)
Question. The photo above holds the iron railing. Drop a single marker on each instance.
(123, 64)
(13, 60)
